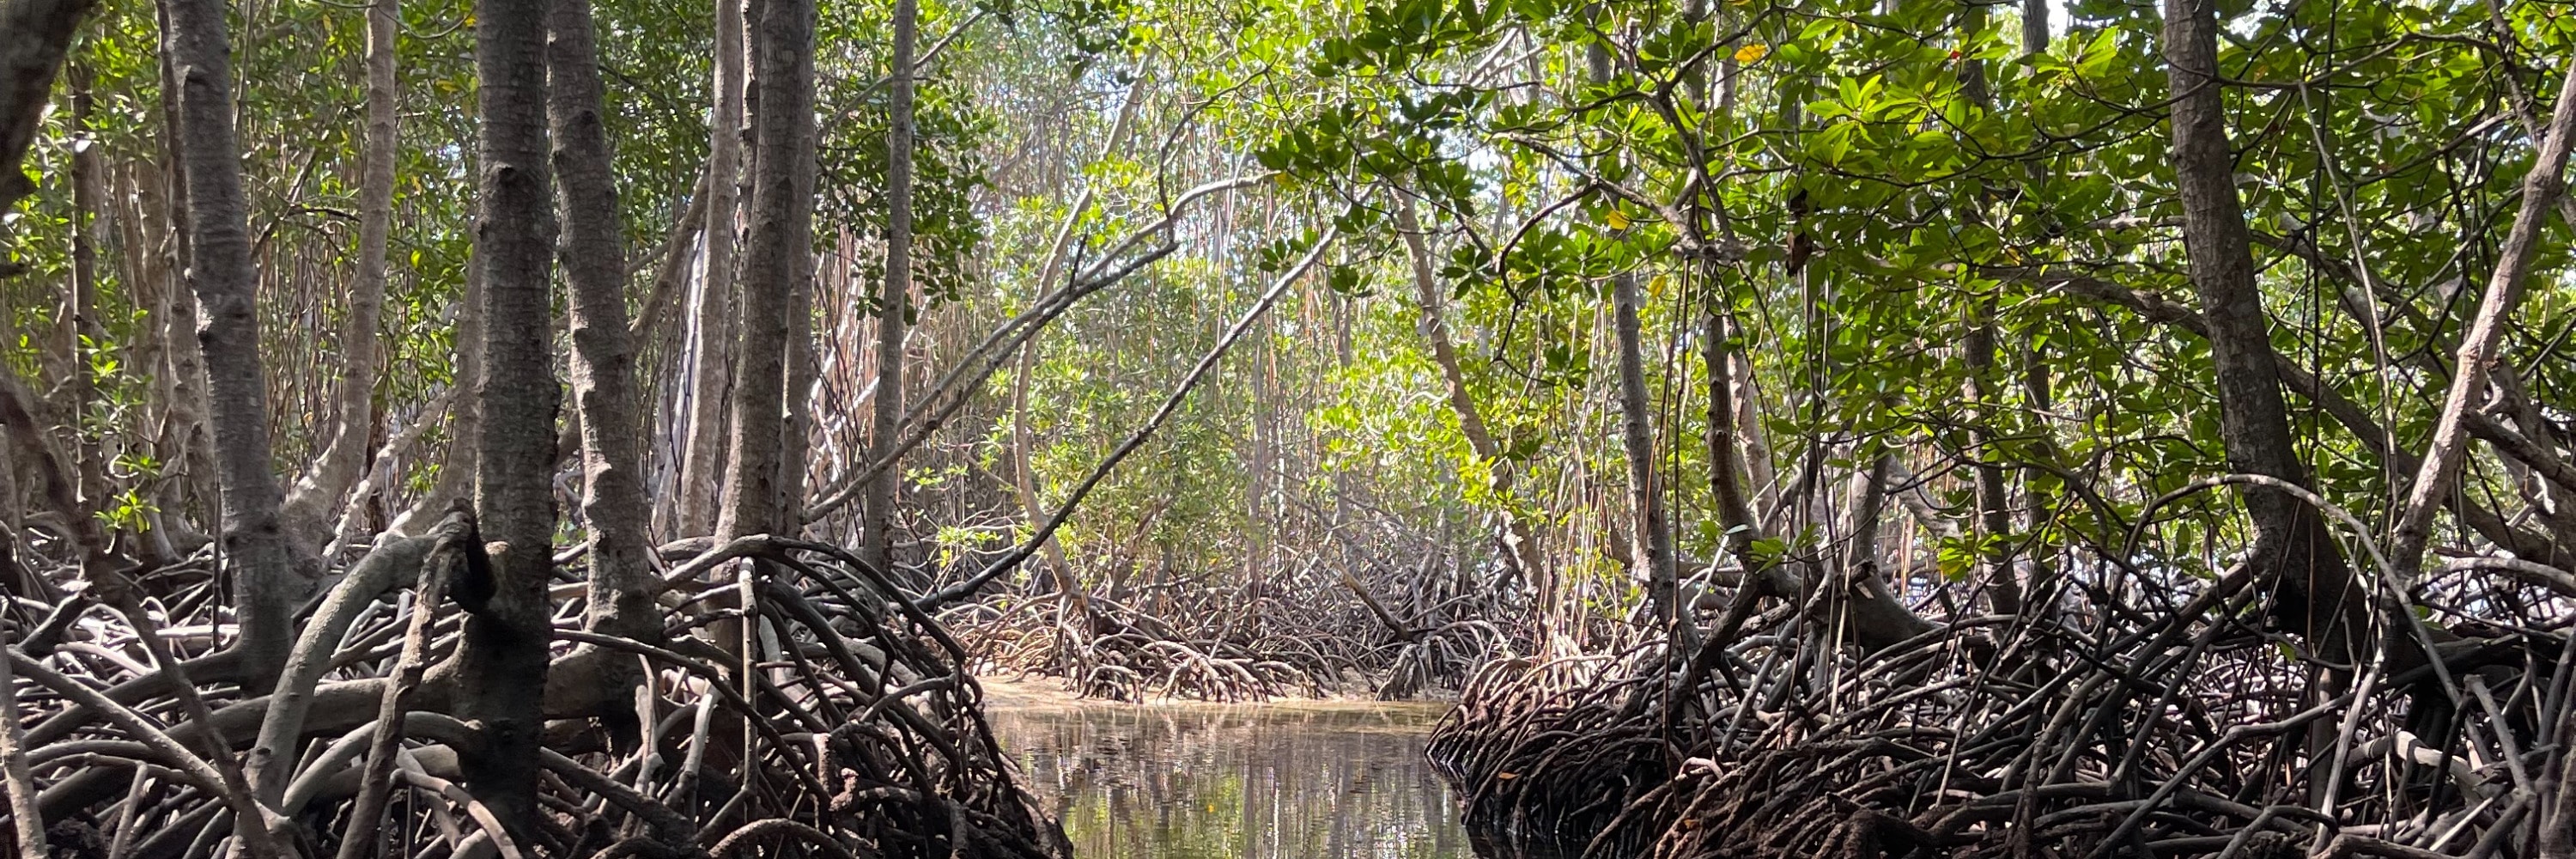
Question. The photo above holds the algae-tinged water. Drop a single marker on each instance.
(1266, 781)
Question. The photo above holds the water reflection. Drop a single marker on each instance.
(1247, 782)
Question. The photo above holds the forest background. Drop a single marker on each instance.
(1248, 349)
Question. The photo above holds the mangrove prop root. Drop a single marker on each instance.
(2092, 733)
(868, 737)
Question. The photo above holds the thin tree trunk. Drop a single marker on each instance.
(2540, 190)
(24, 816)
(139, 267)
(83, 323)
(2558, 806)
(2312, 588)
(267, 581)
(189, 452)
(713, 331)
(1471, 420)
(2035, 370)
(500, 666)
(1024, 479)
(2034, 26)
(1653, 542)
(603, 358)
(2036, 388)
(1023, 447)
(1726, 444)
(877, 509)
(1994, 512)
(795, 440)
(779, 247)
(316, 497)
(1984, 382)
(670, 265)
(456, 472)
(1651, 545)
(777, 252)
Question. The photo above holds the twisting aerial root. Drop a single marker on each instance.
(2177, 730)
(857, 732)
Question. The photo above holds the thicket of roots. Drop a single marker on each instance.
(2180, 728)
(1311, 631)
(857, 733)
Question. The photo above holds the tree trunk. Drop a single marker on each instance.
(2312, 588)
(500, 666)
(1651, 545)
(456, 472)
(878, 508)
(795, 438)
(778, 250)
(713, 331)
(1653, 542)
(1994, 513)
(82, 323)
(1024, 479)
(141, 267)
(2540, 190)
(2034, 27)
(1471, 420)
(1023, 446)
(1725, 442)
(603, 357)
(40, 34)
(267, 581)
(1984, 382)
(189, 449)
(316, 497)
(2035, 370)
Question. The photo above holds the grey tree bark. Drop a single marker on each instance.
(1652, 544)
(25, 818)
(2034, 26)
(2312, 587)
(499, 668)
(877, 511)
(39, 35)
(316, 496)
(82, 323)
(2477, 354)
(1994, 513)
(603, 356)
(190, 447)
(267, 581)
(778, 252)
(713, 330)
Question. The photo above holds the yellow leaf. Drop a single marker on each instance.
(1617, 220)
(1752, 53)
(1506, 776)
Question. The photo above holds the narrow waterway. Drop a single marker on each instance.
(1269, 781)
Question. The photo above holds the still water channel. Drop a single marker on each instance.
(1271, 781)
